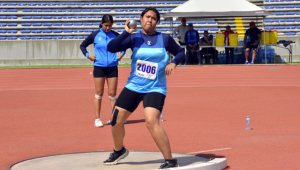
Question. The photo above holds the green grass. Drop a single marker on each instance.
(58, 66)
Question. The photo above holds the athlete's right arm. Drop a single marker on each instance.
(88, 41)
(121, 42)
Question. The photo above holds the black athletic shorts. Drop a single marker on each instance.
(107, 72)
(251, 47)
(130, 100)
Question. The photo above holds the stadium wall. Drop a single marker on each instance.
(46, 52)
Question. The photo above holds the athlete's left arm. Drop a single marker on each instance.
(174, 49)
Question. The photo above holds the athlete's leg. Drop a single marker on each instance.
(117, 119)
(112, 84)
(247, 53)
(253, 55)
(157, 132)
(99, 86)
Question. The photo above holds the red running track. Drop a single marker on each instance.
(50, 111)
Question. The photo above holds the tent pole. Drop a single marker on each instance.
(265, 41)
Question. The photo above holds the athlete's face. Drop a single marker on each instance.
(107, 26)
(149, 21)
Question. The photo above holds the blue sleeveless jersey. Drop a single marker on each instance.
(157, 56)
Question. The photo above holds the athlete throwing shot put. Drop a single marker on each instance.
(147, 83)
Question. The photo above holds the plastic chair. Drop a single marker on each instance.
(12, 24)
(26, 17)
(211, 22)
(97, 16)
(88, 24)
(36, 10)
(66, 10)
(70, 3)
(51, 4)
(137, 3)
(25, 24)
(2, 38)
(3, 4)
(12, 38)
(128, 10)
(57, 31)
(78, 37)
(56, 17)
(47, 10)
(76, 17)
(46, 31)
(99, 3)
(57, 24)
(87, 16)
(3, 24)
(96, 10)
(108, 3)
(47, 17)
(290, 13)
(12, 31)
(11, 4)
(76, 10)
(67, 37)
(25, 38)
(118, 3)
(290, 33)
(46, 24)
(80, 4)
(57, 37)
(86, 10)
(68, 31)
(12, 17)
(12, 10)
(89, 3)
(26, 10)
(77, 30)
(56, 10)
(36, 24)
(77, 24)
(269, 20)
(127, 3)
(35, 38)
(41, 4)
(2, 31)
(67, 17)
(36, 17)
(88, 30)
(31, 4)
(105, 10)
(47, 38)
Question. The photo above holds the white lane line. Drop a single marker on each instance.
(221, 149)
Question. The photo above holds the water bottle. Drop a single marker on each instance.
(248, 127)
(161, 119)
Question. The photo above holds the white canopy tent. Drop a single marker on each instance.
(218, 9)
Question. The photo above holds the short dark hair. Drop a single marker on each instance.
(205, 32)
(228, 26)
(106, 18)
(151, 9)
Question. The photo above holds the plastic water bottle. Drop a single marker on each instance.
(161, 119)
(248, 126)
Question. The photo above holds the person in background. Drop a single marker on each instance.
(105, 64)
(228, 50)
(254, 35)
(180, 31)
(207, 41)
(192, 40)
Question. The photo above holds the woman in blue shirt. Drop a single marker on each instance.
(105, 63)
(147, 83)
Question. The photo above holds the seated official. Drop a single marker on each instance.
(209, 53)
(192, 47)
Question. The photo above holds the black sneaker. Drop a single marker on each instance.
(115, 157)
(169, 164)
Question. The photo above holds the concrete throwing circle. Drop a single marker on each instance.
(94, 161)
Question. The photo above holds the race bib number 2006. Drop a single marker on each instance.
(146, 69)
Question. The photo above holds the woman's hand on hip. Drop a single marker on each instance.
(170, 69)
(128, 29)
(92, 57)
(120, 56)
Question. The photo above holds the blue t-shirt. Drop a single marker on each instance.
(253, 34)
(203, 40)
